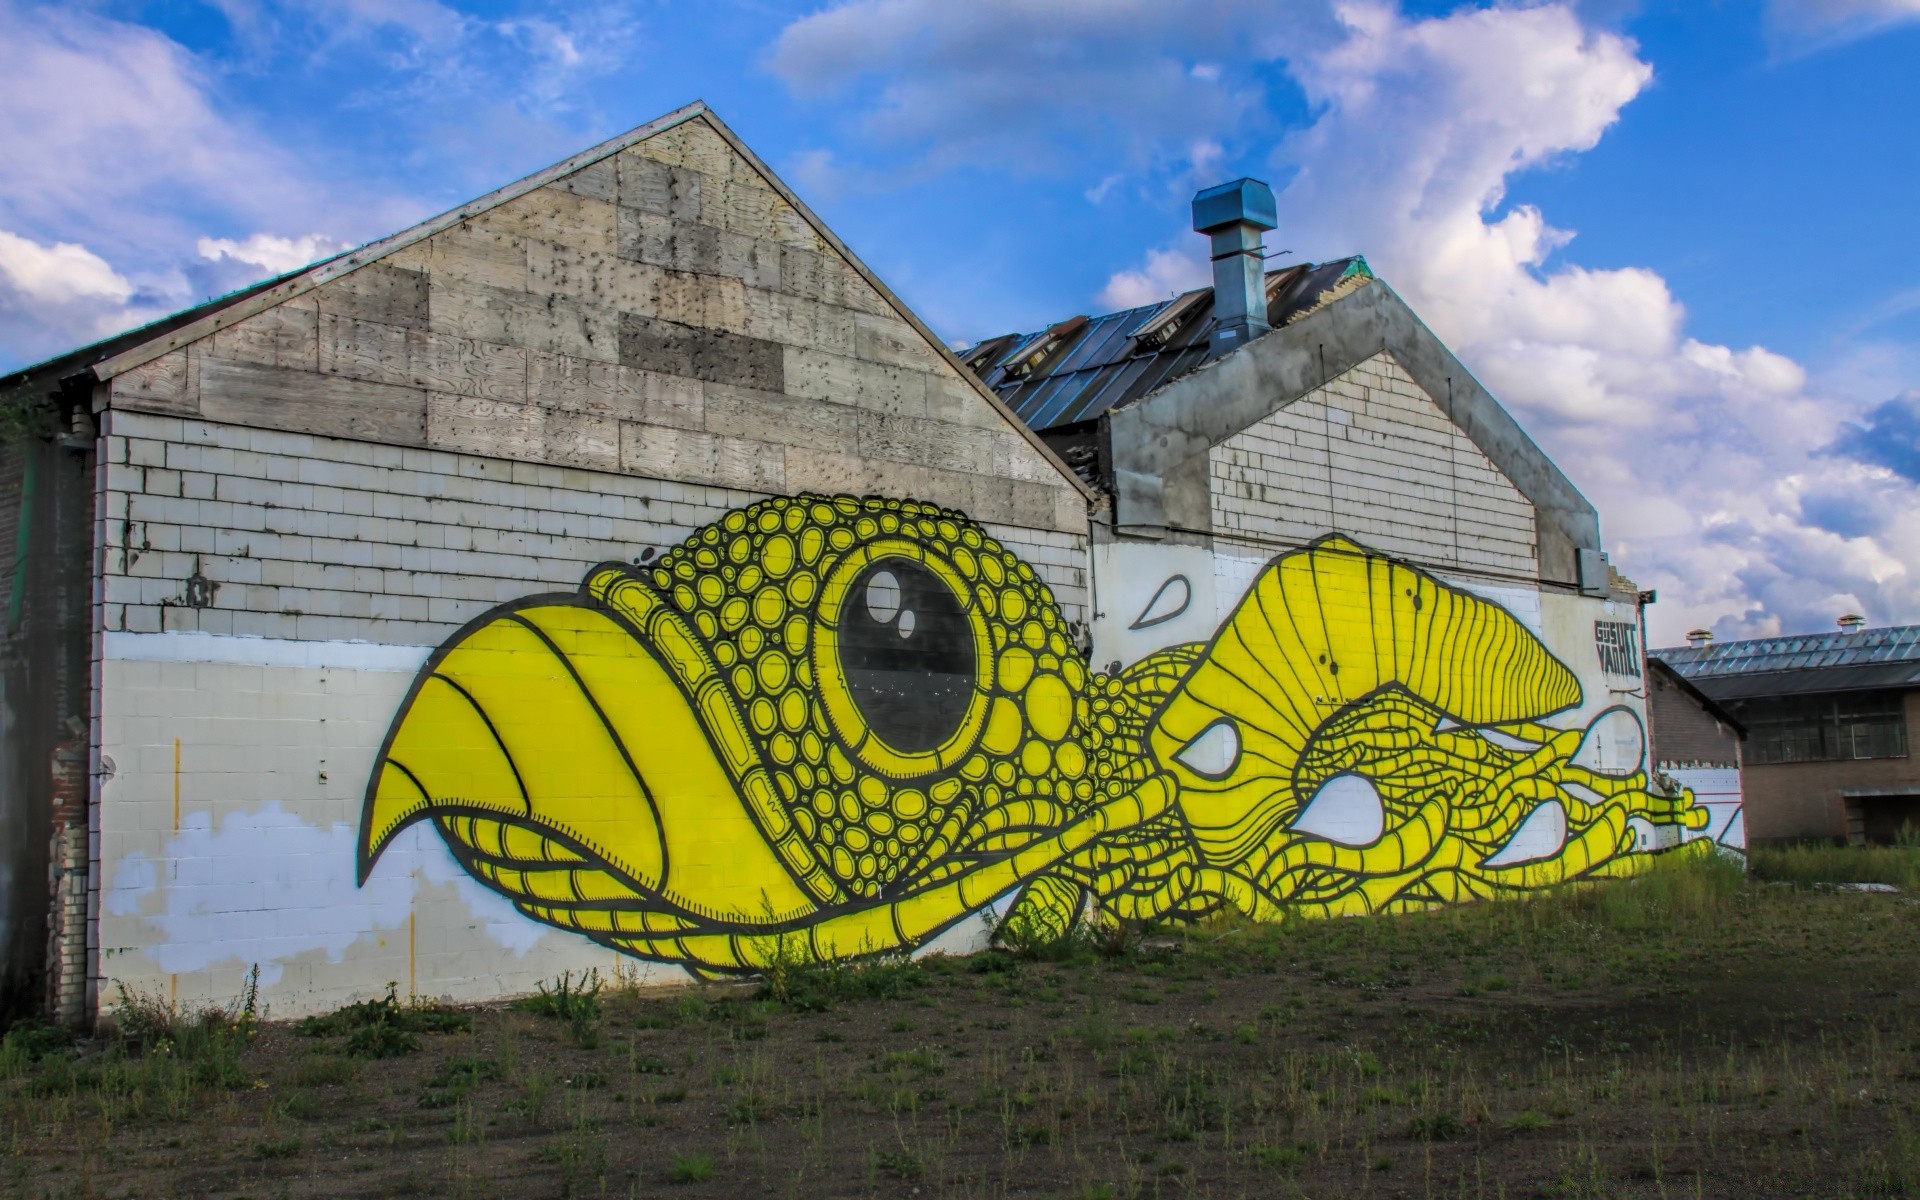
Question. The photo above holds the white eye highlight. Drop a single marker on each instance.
(906, 624)
(1541, 835)
(1213, 754)
(883, 597)
(1345, 810)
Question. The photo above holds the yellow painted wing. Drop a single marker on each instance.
(1320, 630)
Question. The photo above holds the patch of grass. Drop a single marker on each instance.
(277, 1148)
(805, 986)
(1810, 864)
(323, 1070)
(691, 1168)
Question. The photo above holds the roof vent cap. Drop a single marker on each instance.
(1699, 637)
(1242, 202)
(1852, 623)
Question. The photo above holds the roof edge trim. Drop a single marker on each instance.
(900, 307)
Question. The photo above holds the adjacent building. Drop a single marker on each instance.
(1830, 722)
(1697, 744)
(612, 573)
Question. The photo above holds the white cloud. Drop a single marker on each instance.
(62, 294)
(276, 255)
(1797, 24)
(58, 274)
(1166, 273)
(1710, 464)
(112, 122)
(1008, 79)
(1697, 455)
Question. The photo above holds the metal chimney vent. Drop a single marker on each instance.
(1699, 637)
(1233, 216)
(1851, 623)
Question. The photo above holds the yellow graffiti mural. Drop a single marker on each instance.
(845, 724)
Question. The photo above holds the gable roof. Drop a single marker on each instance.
(104, 360)
(1108, 361)
(1182, 403)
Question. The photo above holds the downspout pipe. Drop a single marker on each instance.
(23, 539)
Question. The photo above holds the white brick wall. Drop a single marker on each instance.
(315, 538)
(1373, 456)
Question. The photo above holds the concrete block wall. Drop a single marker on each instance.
(297, 508)
(324, 539)
(664, 313)
(1373, 456)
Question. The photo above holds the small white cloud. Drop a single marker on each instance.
(1208, 72)
(277, 255)
(61, 273)
(1165, 274)
(1101, 190)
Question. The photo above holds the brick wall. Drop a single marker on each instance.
(1373, 456)
(1803, 800)
(1685, 734)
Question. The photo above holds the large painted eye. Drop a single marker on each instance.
(907, 654)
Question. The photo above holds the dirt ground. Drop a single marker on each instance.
(1645, 1039)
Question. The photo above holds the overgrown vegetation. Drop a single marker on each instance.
(384, 1028)
(1687, 1032)
(1818, 863)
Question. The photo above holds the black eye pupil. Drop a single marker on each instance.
(906, 651)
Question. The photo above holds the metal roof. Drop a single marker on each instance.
(1893, 644)
(1104, 363)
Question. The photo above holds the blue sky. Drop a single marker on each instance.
(1676, 238)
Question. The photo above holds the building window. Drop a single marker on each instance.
(1825, 728)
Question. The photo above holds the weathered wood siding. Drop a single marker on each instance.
(663, 312)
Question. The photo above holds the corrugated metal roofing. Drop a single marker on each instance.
(1895, 644)
(1103, 365)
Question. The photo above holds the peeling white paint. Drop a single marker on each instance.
(263, 886)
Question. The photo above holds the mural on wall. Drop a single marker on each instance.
(830, 726)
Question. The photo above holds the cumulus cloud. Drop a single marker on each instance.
(1723, 477)
(1699, 456)
(62, 293)
(118, 156)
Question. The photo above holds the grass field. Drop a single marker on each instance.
(1691, 1033)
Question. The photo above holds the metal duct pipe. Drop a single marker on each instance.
(1233, 216)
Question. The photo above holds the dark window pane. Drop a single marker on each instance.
(1825, 728)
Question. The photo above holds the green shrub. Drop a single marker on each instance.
(384, 1028)
(691, 1168)
(575, 1003)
